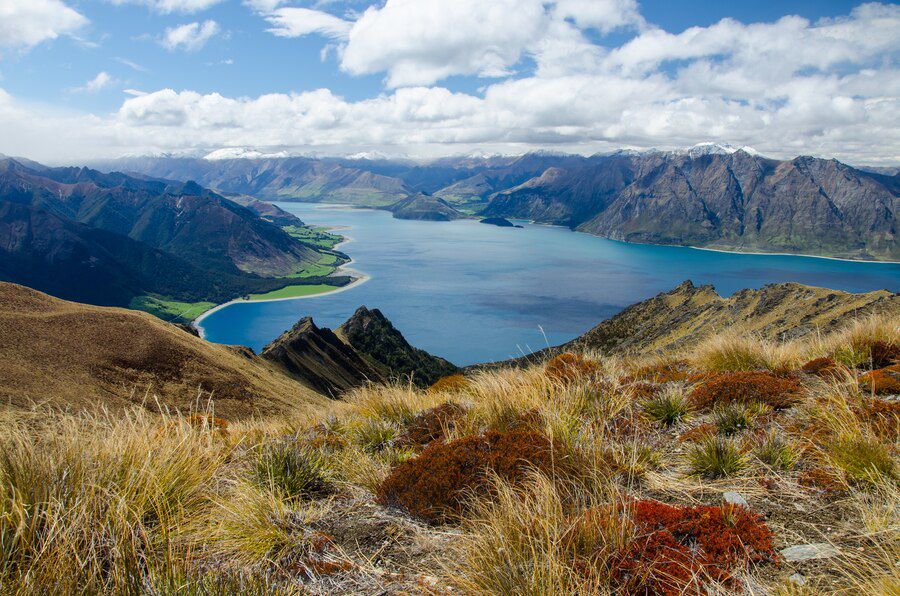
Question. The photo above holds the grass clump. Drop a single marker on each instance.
(374, 435)
(863, 460)
(746, 387)
(732, 418)
(775, 452)
(668, 408)
(292, 472)
(716, 457)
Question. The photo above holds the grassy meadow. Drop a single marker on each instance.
(582, 475)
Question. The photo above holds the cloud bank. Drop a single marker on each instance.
(829, 88)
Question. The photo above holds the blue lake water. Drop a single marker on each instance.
(472, 292)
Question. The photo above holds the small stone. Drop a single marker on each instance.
(809, 552)
(735, 499)
(797, 579)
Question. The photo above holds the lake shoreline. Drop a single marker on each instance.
(360, 279)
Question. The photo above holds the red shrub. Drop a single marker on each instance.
(435, 485)
(824, 367)
(429, 425)
(569, 367)
(884, 381)
(450, 384)
(746, 387)
(676, 548)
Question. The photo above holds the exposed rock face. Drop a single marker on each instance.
(373, 335)
(318, 358)
(685, 316)
(426, 207)
(78, 357)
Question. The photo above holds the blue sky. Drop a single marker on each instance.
(83, 63)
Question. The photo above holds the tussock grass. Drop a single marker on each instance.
(151, 503)
(668, 408)
(716, 457)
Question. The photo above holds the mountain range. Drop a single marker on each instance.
(710, 195)
(111, 239)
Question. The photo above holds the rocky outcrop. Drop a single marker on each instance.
(371, 334)
(318, 358)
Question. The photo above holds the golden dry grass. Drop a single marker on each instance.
(139, 502)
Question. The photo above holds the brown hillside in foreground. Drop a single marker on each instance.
(75, 356)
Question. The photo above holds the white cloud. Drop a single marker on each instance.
(170, 6)
(26, 23)
(189, 37)
(98, 83)
(789, 87)
(603, 15)
(418, 43)
(296, 22)
(130, 64)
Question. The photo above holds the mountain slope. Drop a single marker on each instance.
(75, 356)
(185, 219)
(685, 316)
(371, 334)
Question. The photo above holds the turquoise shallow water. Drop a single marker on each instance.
(472, 292)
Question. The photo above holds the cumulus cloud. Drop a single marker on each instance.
(98, 83)
(296, 22)
(25, 24)
(170, 6)
(788, 87)
(189, 37)
(603, 15)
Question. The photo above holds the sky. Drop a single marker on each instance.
(85, 79)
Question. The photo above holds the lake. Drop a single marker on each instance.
(472, 292)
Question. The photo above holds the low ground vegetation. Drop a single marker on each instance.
(682, 474)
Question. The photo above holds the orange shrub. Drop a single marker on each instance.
(569, 367)
(675, 549)
(746, 387)
(450, 384)
(429, 425)
(884, 381)
(436, 484)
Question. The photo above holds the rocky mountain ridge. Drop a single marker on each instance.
(710, 195)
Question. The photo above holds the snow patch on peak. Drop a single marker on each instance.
(241, 153)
